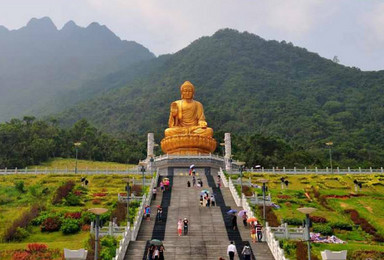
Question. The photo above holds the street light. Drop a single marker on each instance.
(329, 144)
(77, 144)
(307, 211)
(263, 181)
(128, 189)
(143, 172)
(151, 161)
(241, 169)
(97, 212)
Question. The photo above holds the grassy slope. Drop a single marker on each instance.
(63, 163)
(110, 184)
(370, 206)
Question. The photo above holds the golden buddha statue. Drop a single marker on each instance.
(188, 132)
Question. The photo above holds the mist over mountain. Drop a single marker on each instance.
(40, 63)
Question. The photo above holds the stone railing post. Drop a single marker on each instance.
(286, 233)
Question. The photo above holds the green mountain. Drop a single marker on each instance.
(40, 65)
(248, 86)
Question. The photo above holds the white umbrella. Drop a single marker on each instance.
(241, 213)
(192, 166)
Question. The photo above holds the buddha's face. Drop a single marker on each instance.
(187, 92)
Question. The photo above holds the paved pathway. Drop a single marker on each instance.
(209, 229)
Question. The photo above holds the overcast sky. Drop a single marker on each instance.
(353, 30)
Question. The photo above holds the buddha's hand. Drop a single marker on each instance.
(174, 109)
(203, 124)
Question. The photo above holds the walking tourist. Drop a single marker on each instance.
(245, 217)
(188, 184)
(213, 201)
(253, 233)
(185, 222)
(201, 183)
(151, 248)
(201, 200)
(194, 181)
(179, 227)
(156, 253)
(148, 213)
(234, 222)
(259, 231)
(204, 201)
(208, 201)
(231, 251)
(154, 192)
(159, 215)
(161, 186)
(161, 250)
(246, 252)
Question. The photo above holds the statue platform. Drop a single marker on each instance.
(188, 144)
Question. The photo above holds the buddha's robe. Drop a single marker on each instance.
(187, 118)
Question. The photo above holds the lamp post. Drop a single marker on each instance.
(128, 189)
(263, 181)
(307, 211)
(143, 172)
(77, 144)
(97, 212)
(329, 144)
(151, 161)
(241, 169)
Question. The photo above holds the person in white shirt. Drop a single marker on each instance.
(231, 251)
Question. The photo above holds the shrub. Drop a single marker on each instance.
(270, 215)
(75, 215)
(365, 254)
(120, 212)
(325, 230)
(19, 185)
(70, 226)
(63, 192)
(108, 247)
(99, 194)
(317, 219)
(51, 224)
(293, 221)
(72, 200)
(341, 225)
(85, 227)
(136, 189)
(4, 199)
(21, 222)
(21, 255)
(34, 247)
(20, 234)
(96, 202)
(247, 191)
(368, 228)
(43, 216)
(87, 217)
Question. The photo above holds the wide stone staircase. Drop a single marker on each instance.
(209, 228)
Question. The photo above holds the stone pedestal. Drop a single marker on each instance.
(189, 144)
(150, 145)
(228, 151)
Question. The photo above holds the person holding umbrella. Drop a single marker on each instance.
(161, 250)
(245, 217)
(233, 212)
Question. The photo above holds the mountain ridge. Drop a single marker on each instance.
(41, 62)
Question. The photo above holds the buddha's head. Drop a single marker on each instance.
(187, 90)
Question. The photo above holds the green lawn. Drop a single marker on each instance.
(14, 202)
(370, 204)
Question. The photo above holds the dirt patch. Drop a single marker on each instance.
(343, 205)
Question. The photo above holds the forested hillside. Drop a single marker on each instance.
(42, 67)
(252, 87)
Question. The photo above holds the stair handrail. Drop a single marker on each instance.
(131, 235)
